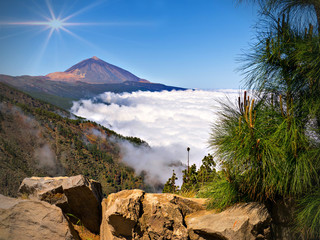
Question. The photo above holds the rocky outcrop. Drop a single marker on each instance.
(134, 214)
(120, 214)
(28, 219)
(77, 196)
(241, 222)
(163, 216)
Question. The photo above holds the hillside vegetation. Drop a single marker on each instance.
(39, 139)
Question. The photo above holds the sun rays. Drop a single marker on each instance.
(53, 23)
(52, 28)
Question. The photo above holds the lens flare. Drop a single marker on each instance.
(55, 24)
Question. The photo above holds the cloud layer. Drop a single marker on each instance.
(169, 121)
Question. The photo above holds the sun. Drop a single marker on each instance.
(58, 24)
(55, 24)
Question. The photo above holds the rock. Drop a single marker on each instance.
(75, 195)
(28, 219)
(242, 222)
(163, 217)
(120, 214)
(134, 214)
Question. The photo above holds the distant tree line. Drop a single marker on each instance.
(193, 179)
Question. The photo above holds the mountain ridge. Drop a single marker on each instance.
(62, 93)
(95, 71)
(62, 88)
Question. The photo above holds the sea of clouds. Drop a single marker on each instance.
(169, 121)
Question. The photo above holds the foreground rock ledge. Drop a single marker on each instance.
(75, 195)
(241, 222)
(134, 214)
(27, 219)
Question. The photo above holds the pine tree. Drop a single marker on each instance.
(206, 172)
(190, 179)
(300, 11)
(170, 186)
(268, 145)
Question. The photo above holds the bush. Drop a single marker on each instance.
(221, 194)
(308, 215)
(266, 154)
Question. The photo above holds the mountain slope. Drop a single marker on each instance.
(86, 79)
(62, 93)
(38, 139)
(95, 71)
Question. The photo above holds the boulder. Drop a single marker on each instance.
(76, 196)
(163, 216)
(120, 214)
(241, 222)
(28, 219)
(134, 214)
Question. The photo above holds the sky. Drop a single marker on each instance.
(185, 43)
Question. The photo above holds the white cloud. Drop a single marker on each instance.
(169, 121)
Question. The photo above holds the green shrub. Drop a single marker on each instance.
(267, 154)
(308, 215)
(220, 193)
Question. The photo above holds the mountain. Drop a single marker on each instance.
(86, 79)
(95, 71)
(62, 93)
(39, 139)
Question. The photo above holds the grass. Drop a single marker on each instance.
(190, 193)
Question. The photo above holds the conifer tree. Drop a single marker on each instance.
(300, 11)
(206, 172)
(268, 144)
(190, 178)
(170, 186)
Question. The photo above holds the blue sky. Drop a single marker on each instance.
(186, 43)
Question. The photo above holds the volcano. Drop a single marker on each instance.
(86, 79)
(95, 71)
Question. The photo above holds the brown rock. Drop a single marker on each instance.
(241, 222)
(75, 195)
(27, 219)
(163, 218)
(120, 214)
(133, 214)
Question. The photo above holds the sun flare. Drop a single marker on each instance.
(55, 24)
